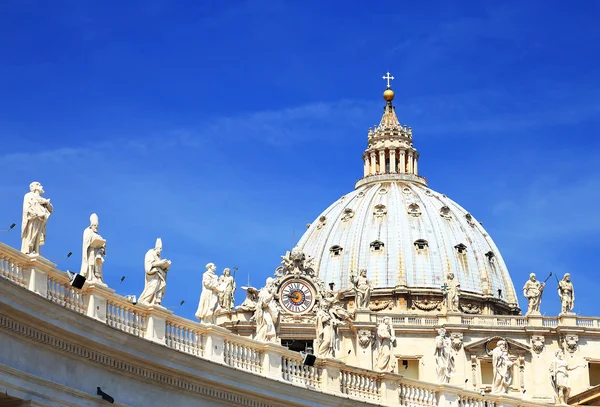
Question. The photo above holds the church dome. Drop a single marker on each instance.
(407, 236)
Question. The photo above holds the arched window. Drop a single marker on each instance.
(461, 248)
(421, 245)
(336, 250)
(377, 245)
(414, 210)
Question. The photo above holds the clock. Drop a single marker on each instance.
(297, 296)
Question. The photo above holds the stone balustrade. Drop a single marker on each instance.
(271, 361)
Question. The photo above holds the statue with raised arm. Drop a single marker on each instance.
(266, 314)
(36, 211)
(386, 337)
(362, 289)
(559, 376)
(326, 324)
(502, 368)
(452, 288)
(156, 276)
(226, 290)
(94, 250)
(249, 303)
(444, 359)
(209, 297)
(566, 294)
(532, 290)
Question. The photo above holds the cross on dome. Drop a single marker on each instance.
(388, 78)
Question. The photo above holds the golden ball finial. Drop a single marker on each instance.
(388, 95)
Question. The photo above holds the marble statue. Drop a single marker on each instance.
(156, 276)
(566, 294)
(386, 362)
(452, 289)
(559, 375)
(209, 297)
(502, 368)
(444, 359)
(266, 314)
(332, 299)
(326, 331)
(362, 289)
(94, 250)
(532, 290)
(226, 290)
(249, 303)
(36, 211)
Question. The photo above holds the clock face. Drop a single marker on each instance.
(296, 296)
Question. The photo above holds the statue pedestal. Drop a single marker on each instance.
(156, 327)
(38, 277)
(331, 374)
(96, 295)
(567, 319)
(454, 318)
(534, 320)
(363, 315)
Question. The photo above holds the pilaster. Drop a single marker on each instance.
(271, 362)
(331, 375)
(38, 277)
(389, 390)
(447, 398)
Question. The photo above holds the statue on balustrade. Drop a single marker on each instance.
(249, 303)
(332, 300)
(266, 314)
(559, 376)
(451, 289)
(566, 294)
(209, 297)
(386, 337)
(326, 331)
(502, 368)
(156, 276)
(36, 211)
(362, 289)
(94, 250)
(532, 290)
(226, 290)
(444, 359)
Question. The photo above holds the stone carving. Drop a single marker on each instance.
(379, 305)
(226, 290)
(331, 299)
(537, 343)
(347, 215)
(364, 337)
(266, 314)
(566, 294)
(532, 290)
(470, 309)
(444, 359)
(94, 250)
(502, 368)
(386, 362)
(249, 303)
(362, 289)
(559, 377)
(451, 290)
(209, 297)
(36, 211)
(379, 211)
(295, 263)
(427, 304)
(456, 340)
(322, 222)
(569, 342)
(156, 276)
(327, 322)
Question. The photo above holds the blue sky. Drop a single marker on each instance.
(224, 129)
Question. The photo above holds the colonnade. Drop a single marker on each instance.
(392, 161)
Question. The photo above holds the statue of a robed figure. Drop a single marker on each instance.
(156, 276)
(94, 250)
(36, 211)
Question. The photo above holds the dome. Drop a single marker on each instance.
(407, 236)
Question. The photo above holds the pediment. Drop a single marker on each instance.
(485, 346)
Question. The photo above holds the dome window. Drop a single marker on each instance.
(347, 215)
(461, 248)
(336, 250)
(414, 210)
(421, 245)
(377, 246)
(469, 219)
(406, 190)
(445, 212)
(490, 255)
(382, 191)
(379, 211)
(322, 222)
